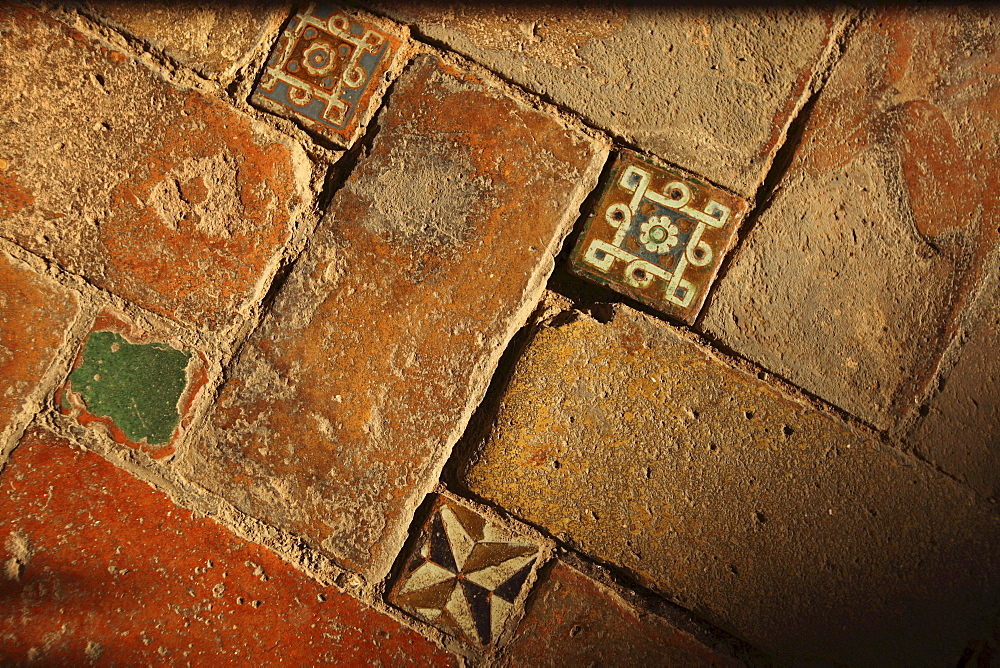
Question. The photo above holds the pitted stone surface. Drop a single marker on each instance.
(573, 620)
(213, 38)
(850, 282)
(166, 197)
(35, 314)
(344, 405)
(774, 520)
(961, 429)
(96, 565)
(709, 89)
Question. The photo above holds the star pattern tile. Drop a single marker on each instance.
(465, 574)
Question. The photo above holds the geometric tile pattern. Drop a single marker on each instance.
(324, 70)
(658, 236)
(465, 574)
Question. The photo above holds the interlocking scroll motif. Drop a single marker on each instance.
(323, 70)
(658, 236)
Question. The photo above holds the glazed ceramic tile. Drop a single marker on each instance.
(465, 574)
(139, 388)
(326, 71)
(658, 236)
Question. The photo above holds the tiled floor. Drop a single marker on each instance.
(498, 335)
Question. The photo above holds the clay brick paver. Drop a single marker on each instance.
(139, 388)
(97, 565)
(345, 403)
(849, 283)
(961, 430)
(710, 89)
(775, 520)
(574, 621)
(466, 574)
(212, 38)
(658, 236)
(164, 196)
(35, 314)
(328, 71)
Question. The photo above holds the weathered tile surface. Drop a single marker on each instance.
(98, 566)
(658, 236)
(576, 621)
(34, 316)
(771, 519)
(328, 70)
(849, 283)
(139, 388)
(345, 403)
(164, 196)
(212, 38)
(711, 89)
(961, 430)
(465, 574)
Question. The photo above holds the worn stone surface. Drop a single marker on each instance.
(849, 283)
(658, 236)
(710, 89)
(961, 430)
(213, 38)
(137, 387)
(329, 69)
(573, 620)
(99, 566)
(345, 403)
(35, 314)
(466, 575)
(772, 519)
(164, 196)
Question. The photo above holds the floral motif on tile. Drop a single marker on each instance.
(658, 236)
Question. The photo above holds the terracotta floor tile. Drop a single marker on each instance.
(35, 314)
(575, 621)
(213, 39)
(658, 236)
(164, 196)
(348, 399)
(710, 88)
(850, 282)
(99, 566)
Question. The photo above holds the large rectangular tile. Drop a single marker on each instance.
(99, 567)
(35, 315)
(342, 408)
(164, 196)
(850, 282)
(774, 520)
(711, 89)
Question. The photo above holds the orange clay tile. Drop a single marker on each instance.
(99, 566)
(34, 316)
(573, 620)
(164, 196)
(346, 402)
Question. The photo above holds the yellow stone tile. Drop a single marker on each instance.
(774, 519)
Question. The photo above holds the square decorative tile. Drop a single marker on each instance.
(658, 236)
(326, 72)
(465, 574)
(139, 388)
